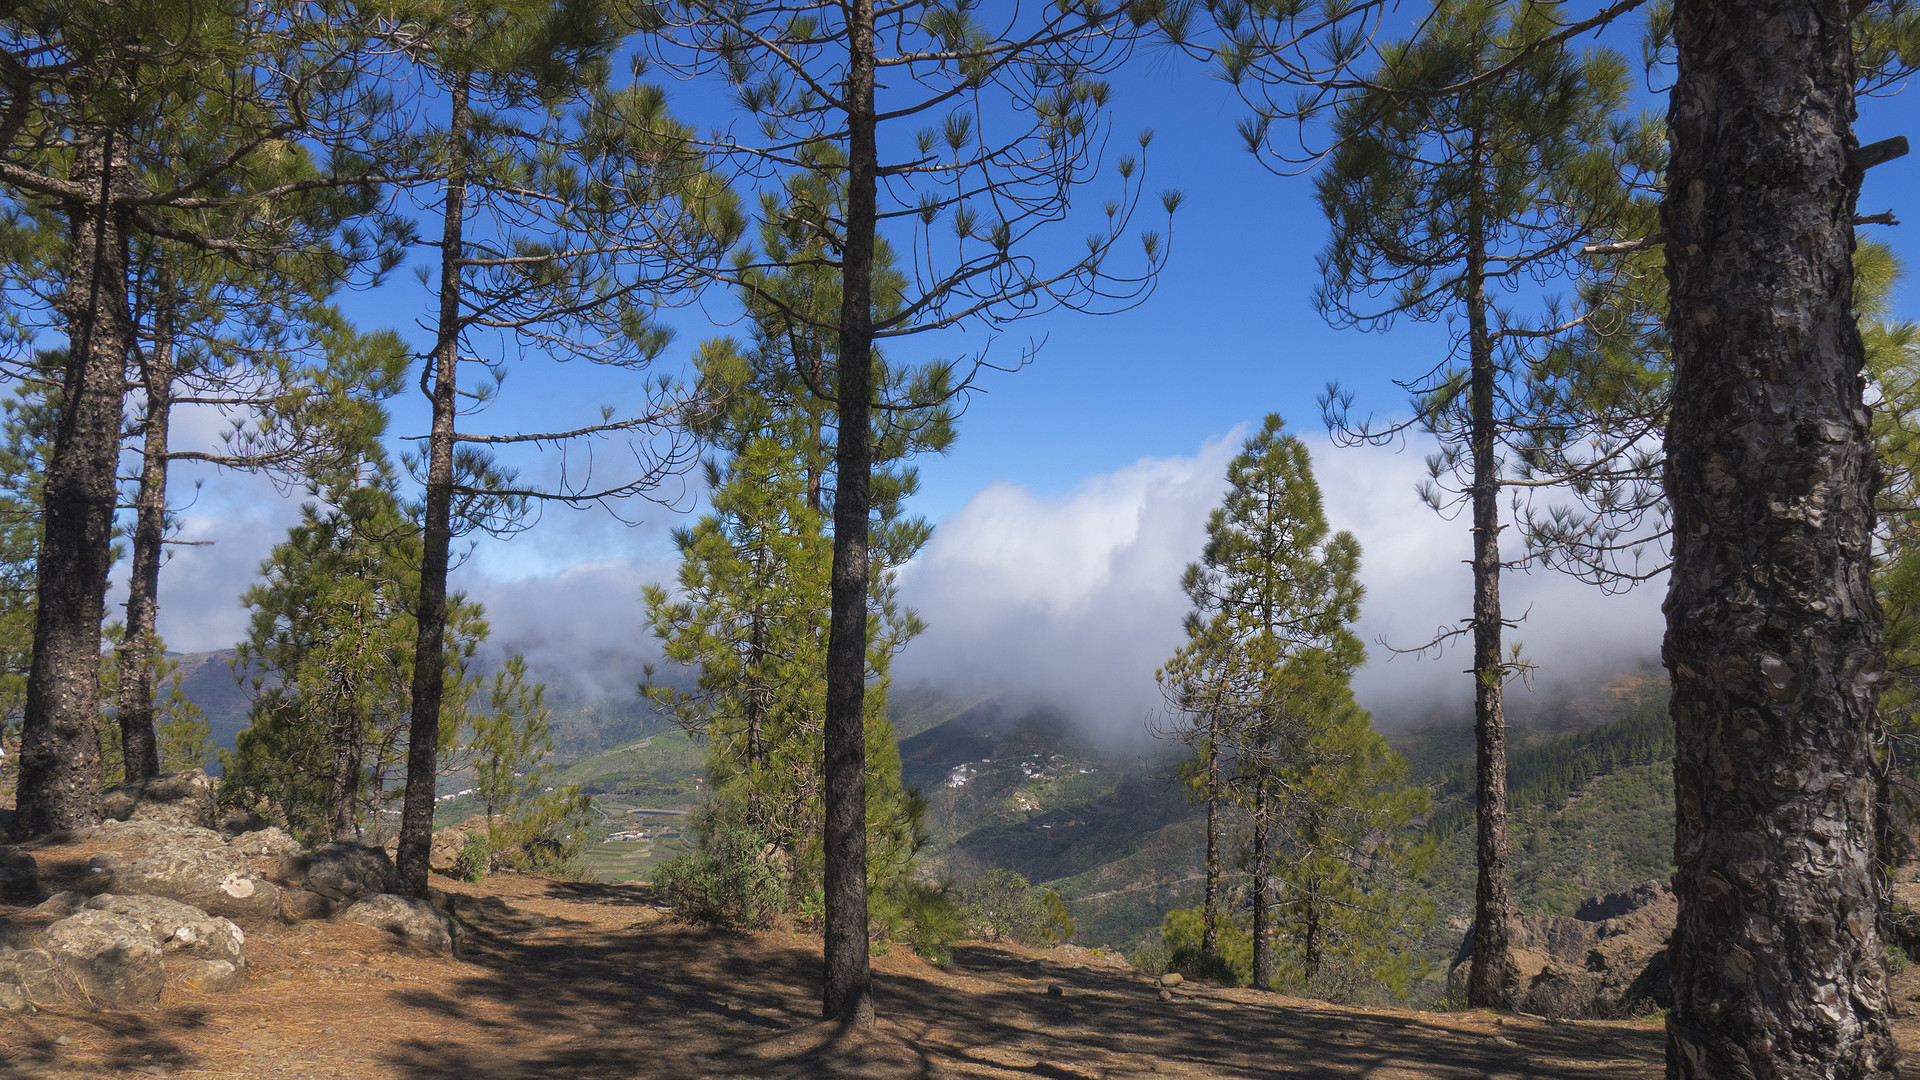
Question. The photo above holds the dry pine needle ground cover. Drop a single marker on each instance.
(565, 980)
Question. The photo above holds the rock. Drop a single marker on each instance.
(193, 866)
(410, 918)
(237, 823)
(19, 875)
(1172, 978)
(63, 903)
(299, 905)
(26, 978)
(177, 927)
(182, 798)
(151, 835)
(341, 872)
(1560, 991)
(1166, 995)
(269, 842)
(1056, 990)
(1610, 963)
(210, 976)
(112, 958)
(444, 856)
(119, 950)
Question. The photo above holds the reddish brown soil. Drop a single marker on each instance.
(571, 981)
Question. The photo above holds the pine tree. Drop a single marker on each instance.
(1269, 654)
(567, 211)
(1010, 121)
(751, 615)
(329, 657)
(90, 84)
(1441, 199)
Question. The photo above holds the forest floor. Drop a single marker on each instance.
(570, 980)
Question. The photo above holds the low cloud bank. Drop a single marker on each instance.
(1075, 599)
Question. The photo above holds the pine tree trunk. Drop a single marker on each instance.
(848, 983)
(429, 657)
(139, 746)
(1262, 885)
(59, 779)
(1210, 910)
(343, 766)
(1772, 625)
(1493, 902)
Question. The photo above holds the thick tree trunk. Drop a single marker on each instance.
(1262, 885)
(59, 780)
(1493, 901)
(1772, 626)
(139, 746)
(429, 657)
(848, 983)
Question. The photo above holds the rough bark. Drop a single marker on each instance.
(1493, 901)
(59, 785)
(1210, 908)
(139, 745)
(1772, 626)
(430, 614)
(1262, 883)
(848, 984)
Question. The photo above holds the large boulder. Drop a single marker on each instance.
(19, 875)
(334, 876)
(182, 798)
(409, 918)
(1609, 961)
(112, 958)
(118, 951)
(177, 928)
(188, 864)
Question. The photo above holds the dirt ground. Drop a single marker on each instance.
(573, 981)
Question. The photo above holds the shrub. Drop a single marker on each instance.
(471, 864)
(1000, 905)
(1231, 962)
(933, 921)
(723, 882)
(544, 835)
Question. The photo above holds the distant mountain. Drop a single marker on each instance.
(1022, 788)
(207, 679)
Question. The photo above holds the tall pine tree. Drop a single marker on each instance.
(1442, 199)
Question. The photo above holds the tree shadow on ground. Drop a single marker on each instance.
(681, 1003)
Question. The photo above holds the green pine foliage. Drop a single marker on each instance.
(1263, 680)
(27, 419)
(328, 660)
(1547, 774)
(748, 620)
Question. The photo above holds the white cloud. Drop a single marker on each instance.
(1076, 599)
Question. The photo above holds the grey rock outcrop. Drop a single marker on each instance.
(182, 798)
(270, 842)
(118, 952)
(409, 918)
(185, 863)
(334, 876)
(182, 932)
(26, 976)
(113, 960)
(19, 875)
(1608, 962)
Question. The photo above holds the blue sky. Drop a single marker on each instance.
(1088, 472)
